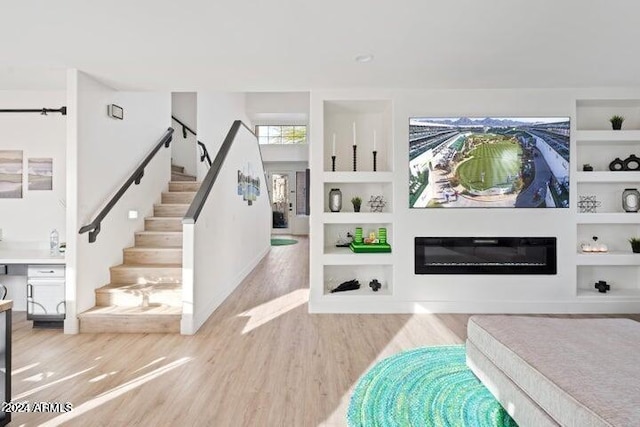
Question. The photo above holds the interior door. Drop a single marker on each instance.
(281, 203)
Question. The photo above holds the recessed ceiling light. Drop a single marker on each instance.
(364, 58)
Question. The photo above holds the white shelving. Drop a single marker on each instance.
(622, 294)
(598, 145)
(357, 177)
(609, 258)
(608, 177)
(338, 264)
(608, 218)
(365, 291)
(597, 137)
(356, 217)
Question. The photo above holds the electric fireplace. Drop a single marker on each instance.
(485, 255)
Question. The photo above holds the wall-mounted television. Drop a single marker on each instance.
(501, 162)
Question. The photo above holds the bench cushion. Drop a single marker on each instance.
(582, 372)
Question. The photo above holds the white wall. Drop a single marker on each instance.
(31, 218)
(219, 109)
(28, 221)
(102, 154)
(184, 151)
(230, 237)
(460, 293)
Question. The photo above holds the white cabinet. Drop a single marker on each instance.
(598, 145)
(334, 265)
(46, 294)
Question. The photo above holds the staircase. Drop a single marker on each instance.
(145, 291)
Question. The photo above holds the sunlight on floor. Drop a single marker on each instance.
(23, 369)
(103, 376)
(401, 341)
(115, 392)
(37, 389)
(268, 311)
(39, 377)
(158, 360)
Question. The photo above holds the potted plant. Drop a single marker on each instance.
(635, 244)
(357, 201)
(616, 122)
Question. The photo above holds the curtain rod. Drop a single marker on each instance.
(43, 111)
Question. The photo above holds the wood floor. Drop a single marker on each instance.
(260, 360)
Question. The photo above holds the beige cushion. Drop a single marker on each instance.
(582, 372)
(516, 402)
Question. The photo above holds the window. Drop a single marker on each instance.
(281, 134)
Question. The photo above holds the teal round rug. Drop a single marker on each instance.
(282, 242)
(425, 387)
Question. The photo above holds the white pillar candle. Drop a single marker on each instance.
(354, 133)
(374, 140)
(333, 153)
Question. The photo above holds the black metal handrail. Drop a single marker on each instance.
(207, 184)
(205, 153)
(43, 111)
(94, 226)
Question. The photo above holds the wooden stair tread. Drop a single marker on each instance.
(151, 248)
(158, 232)
(115, 287)
(113, 310)
(150, 266)
(183, 182)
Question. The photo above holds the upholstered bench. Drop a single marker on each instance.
(549, 371)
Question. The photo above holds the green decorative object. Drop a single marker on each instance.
(427, 387)
(382, 235)
(358, 235)
(370, 247)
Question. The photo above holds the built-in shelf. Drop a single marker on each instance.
(608, 177)
(612, 294)
(344, 256)
(608, 258)
(357, 217)
(588, 137)
(358, 177)
(364, 291)
(608, 218)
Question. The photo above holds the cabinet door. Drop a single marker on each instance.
(45, 297)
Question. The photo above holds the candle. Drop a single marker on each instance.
(333, 153)
(354, 133)
(374, 140)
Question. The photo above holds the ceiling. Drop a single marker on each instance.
(287, 45)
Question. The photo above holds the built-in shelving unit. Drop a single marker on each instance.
(339, 264)
(598, 145)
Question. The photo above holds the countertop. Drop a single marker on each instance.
(29, 256)
(6, 304)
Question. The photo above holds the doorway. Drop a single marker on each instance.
(280, 202)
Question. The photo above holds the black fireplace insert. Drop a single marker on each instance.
(485, 255)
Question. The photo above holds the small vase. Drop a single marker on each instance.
(635, 249)
(335, 200)
(356, 208)
(631, 200)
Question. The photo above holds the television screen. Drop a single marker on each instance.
(506, 162)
